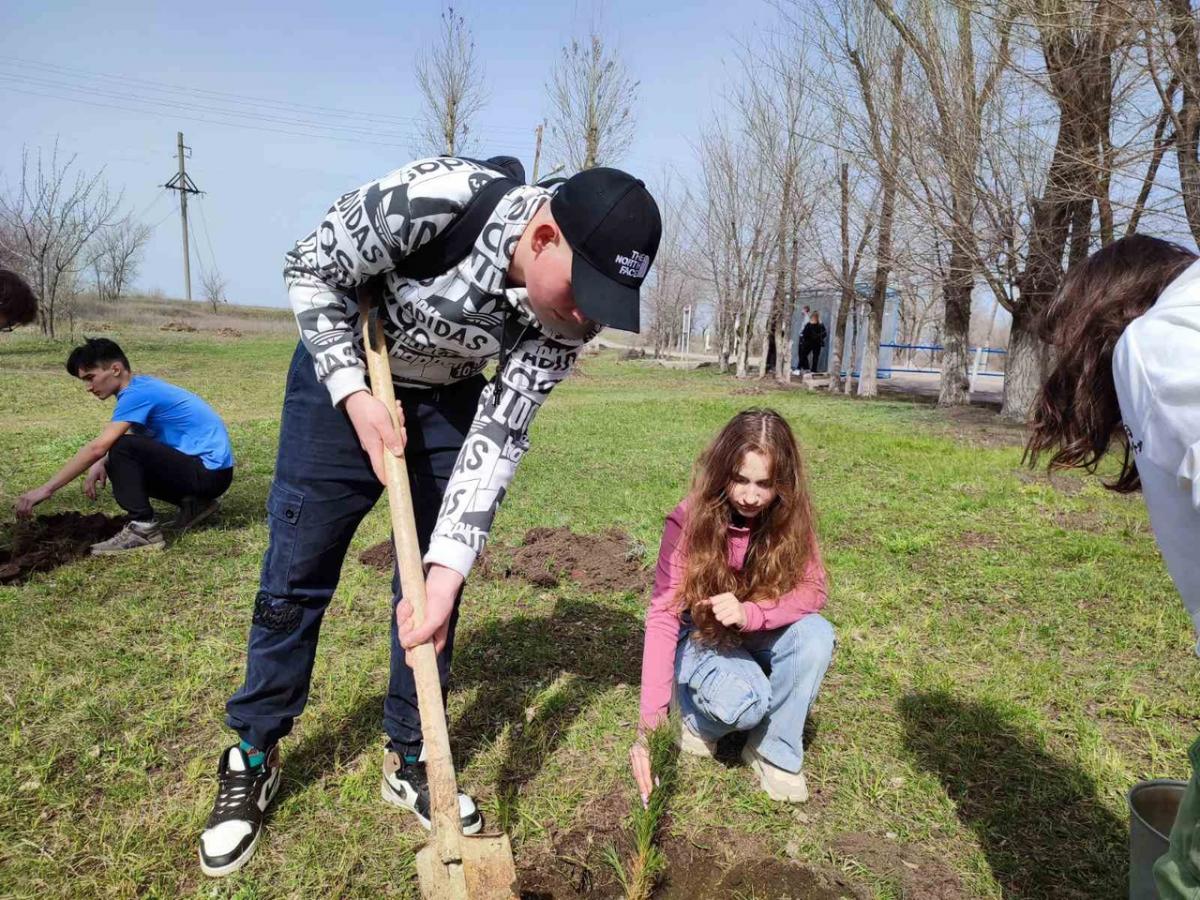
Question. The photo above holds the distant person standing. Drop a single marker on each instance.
(163, 443)
(812, 340)
(18, 305)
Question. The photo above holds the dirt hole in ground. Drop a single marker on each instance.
(50, 541)
(576, 869)
(546, 557)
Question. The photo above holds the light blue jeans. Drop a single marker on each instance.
(764, 686)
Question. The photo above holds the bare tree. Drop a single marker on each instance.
(1077, 39)
(774, 104)
(879, 76)
(49, 220)
(451, 79)
(213, 286)
(943, 39)
(1174, 40)
(116, 254)
(737, 238)
(671, 287)
(592, 99)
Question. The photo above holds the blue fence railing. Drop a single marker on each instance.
(932, 348)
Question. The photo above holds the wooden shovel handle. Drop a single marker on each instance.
(439, 765)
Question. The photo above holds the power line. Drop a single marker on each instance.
(207, 121)
(372, 119)
(207, 238)
(174, 104)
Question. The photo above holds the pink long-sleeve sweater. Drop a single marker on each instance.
(663, 621)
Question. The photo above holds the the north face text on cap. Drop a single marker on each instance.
(635, 265)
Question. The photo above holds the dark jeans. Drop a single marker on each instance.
(809, 354)
(140, 469)
(323, 487)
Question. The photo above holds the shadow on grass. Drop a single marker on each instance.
(597, 646)
(320, 752)
(594, 646)
(1045, 832)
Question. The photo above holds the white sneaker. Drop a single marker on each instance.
(406, 785)
(688, 741)
(243, 794)
(790, 787)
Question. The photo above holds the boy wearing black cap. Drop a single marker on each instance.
(544, 273)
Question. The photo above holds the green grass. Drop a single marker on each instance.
(1012, 655)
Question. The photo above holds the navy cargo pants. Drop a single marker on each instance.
(323, 487)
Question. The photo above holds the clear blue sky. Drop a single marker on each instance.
(266, 189)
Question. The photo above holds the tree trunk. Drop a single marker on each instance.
(767, 360)
(783, 336)
(837, 341)
(868, 378)
(955, 388)
(1024, 369)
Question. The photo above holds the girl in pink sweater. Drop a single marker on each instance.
(732, 634)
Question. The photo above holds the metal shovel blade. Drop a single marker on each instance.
(487, 864)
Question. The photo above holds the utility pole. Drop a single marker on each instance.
(537, 151)
(182, 183)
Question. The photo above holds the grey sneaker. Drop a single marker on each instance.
(193, 511)
(134, 536)
(790, 787)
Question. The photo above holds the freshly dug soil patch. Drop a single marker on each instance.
(381, 556)
(576, 869)
(177, 326)
(609, 561)
(49, 541)
(228, 332)
(691, 875)
(918, 874)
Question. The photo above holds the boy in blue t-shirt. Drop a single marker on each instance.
(163, 443)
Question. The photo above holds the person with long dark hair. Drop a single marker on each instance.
(1125, 326)
(733, 634)
(18, 305)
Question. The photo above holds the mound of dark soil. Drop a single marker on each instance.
(49, 541)
(609, 561)
(177, 326)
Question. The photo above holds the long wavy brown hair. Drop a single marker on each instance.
(1076, 416)
(782, 536)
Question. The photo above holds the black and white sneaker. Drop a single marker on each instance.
(406, 785)
(243, 794)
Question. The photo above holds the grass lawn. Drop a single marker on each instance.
(1012, 657)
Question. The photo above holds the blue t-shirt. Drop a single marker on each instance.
(175, 417)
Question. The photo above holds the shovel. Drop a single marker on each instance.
(450, 864)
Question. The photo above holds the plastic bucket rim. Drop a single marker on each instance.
(1144, 785)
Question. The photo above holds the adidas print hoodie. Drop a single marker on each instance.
(438, 331)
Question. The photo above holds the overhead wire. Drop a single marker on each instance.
(373, 119)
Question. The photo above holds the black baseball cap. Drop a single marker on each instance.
(613, 228)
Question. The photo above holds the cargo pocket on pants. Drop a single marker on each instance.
(720, 696)
(284, 507)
